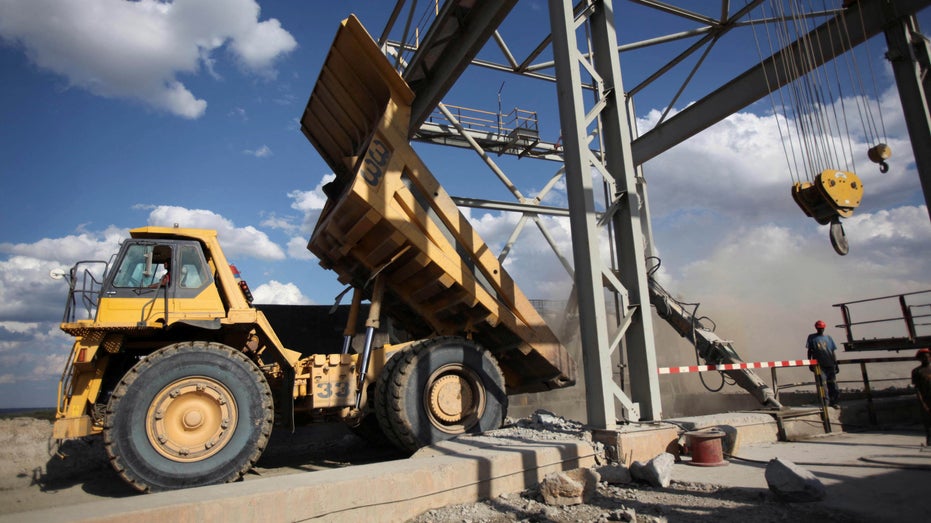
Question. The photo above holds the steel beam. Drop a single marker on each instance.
(526, 208)
(752, 84)
(911, 63)
(454, 39)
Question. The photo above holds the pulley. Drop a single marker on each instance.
(833, 195)
(838, 237)
(879, 154)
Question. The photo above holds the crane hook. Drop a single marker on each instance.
(879, 154)
(838, 236)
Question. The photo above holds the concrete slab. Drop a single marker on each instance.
(880, 476)
(876, 475)
(449, 473)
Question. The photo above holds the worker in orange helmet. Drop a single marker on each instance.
(921, 379)
(821, 347)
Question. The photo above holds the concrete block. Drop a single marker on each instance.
(638, 442)
(458, 471)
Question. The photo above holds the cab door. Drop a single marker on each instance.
(139, 287)
(195, 297)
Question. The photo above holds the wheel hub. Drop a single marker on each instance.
(191, 419)
(454, 398)
(450, 397)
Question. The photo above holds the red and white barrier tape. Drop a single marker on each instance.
(737, 366)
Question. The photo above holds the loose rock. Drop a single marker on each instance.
(572, 487)
(614, 474)
(793, 483)
(656, 472)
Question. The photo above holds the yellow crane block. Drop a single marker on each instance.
(833, 193)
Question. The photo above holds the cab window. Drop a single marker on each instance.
(193, 273)
(143, 266)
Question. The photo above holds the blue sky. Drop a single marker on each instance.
(119, 114)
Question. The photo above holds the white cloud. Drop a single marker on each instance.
(261, 43)
(137, 50)
(273, 221)
(32, 348)
(236, 241)
(239, 113)
(262, 152)
(275, 292)
(32, 303)
(309, 204)
(27, 292)
(738, 169)
(18, 327)
(765, 285)
(311, 201)
(297, 249)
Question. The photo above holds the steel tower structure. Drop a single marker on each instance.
(595, 108)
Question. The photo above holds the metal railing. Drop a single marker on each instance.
(84, 282)
(774, 366)
(518, 120)
(896, 322)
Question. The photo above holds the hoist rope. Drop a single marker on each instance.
(814, 127)
(785, 137)
(869, 61)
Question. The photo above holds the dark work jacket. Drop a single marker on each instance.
(821, 347)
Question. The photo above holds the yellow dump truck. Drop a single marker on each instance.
(185, 378)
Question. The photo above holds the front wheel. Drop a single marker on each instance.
(188, 415)
(438, 389)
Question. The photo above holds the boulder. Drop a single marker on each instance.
(792, 482)
(656, 472)
(572, 487)
(614, 474)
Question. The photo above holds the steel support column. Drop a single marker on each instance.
(911, 63)
(609, 110)
(627, 220)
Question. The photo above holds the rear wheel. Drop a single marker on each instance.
(441, 388)
(190, 414)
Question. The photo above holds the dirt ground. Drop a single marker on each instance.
(33, 477)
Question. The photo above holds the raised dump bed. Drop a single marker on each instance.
(387, 218)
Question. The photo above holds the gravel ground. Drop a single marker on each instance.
(33, 477)
(680, 502)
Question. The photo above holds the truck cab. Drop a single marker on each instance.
(157, 271)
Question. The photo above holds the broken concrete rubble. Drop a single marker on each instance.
(793, 483)
(614, 474)
(571, 487)
(656, 472)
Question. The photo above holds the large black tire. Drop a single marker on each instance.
(380, 401)
(188, 415)
(369, 428)
(440, 388)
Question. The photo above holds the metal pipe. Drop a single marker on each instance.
(353, 319)
(371, 324)
(869, 394)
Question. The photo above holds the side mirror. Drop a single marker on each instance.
(57, 274)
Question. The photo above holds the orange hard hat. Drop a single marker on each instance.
(922, 351)
(820, 324)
